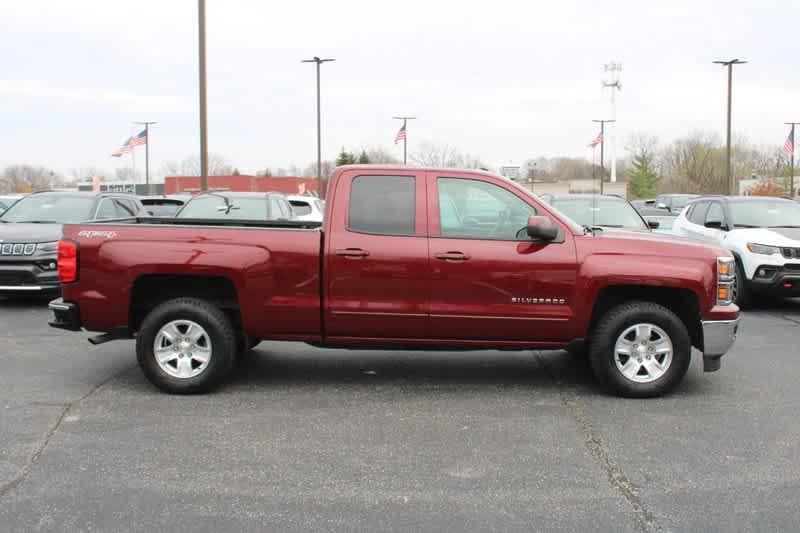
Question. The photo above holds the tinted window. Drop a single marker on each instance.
(605, 212)
(698, 213)
(217, 206)
(480, 210)
(382, 205)
(300, 208)
(62, 209)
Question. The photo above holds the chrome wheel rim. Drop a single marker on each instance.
(182, 349)
(643, 353)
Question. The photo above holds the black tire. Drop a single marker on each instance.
(743, 293)
(613, 324)
(221, 335)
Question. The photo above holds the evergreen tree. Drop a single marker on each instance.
(363, 159)
(643, 178)
(345, 158)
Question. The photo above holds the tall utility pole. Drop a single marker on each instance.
(147, 125)
(602, 144)
(405, 136)
(318, 61)
(612, 82)
(201, 15)
(791, 157)
(731, 185)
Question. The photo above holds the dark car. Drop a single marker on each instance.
(605, 211)
(238, 206)
(30, 230)
(164, 205)
(674, 203)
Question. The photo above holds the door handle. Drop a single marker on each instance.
(352, 252)
(452, 256)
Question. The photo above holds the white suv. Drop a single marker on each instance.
(763, 233)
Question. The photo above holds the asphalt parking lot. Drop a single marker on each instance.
(310, 439)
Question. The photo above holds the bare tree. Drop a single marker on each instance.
(435, 154)
(126, 174)
(695, 164)
(380, 156)
(218, 165)
(28, 178)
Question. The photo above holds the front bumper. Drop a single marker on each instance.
(66, 315)
(777, 279)
(718, 338)
(33, 275)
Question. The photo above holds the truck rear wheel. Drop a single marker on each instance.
(186, 346)
(640, 350)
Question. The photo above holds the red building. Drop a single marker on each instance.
(286, 185)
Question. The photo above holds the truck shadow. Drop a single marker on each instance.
(271, 364)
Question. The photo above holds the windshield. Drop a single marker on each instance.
(765, 213)
(679, 202)
(604, 212)
(215, 206)
(163, 210)
(50, 208)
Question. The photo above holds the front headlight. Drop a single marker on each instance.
(47, 246)
(726, 279)
(763, 249)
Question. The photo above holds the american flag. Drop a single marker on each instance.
(789, 144)
(130, 143)
(401, 135)
(597, 140)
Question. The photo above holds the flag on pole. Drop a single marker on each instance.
(789, 144)
(130, 143)
(597, 140)
(401, 135)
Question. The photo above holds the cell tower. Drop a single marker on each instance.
(612, 82)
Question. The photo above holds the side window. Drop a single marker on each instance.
(301, 208)
(479, 210)
(125, 208)
(107, 209)
(275, 209)
(383, 205)
(715, 214)
(698, 214)
(286, 211)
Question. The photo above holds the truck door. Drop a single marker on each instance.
(489, 281)
(376, 267)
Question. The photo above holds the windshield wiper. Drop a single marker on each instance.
(611, 226)
(37, 222)
(786, 226)
(745, 226)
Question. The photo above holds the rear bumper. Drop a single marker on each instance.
(718, 338)
(65, 315)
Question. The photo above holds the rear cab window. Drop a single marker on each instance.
(383, 205)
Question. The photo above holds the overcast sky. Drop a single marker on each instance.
(500, 80)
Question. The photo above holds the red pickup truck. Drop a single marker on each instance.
(406, 258)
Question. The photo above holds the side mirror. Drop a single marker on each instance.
(541, 228)
(653, 224)
(716, 224)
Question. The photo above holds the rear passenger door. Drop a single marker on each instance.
(376, 260)
(696, 217)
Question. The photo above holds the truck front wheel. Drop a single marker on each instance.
(186, 346)
(640, 350)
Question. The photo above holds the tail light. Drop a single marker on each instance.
(67, 261)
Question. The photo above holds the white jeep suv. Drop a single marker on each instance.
(763, 233)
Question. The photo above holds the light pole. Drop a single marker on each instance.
(201, 17)
(404, 131)
(729, 64)
(147, 125)
(602, 143)
(318, 62)
(613, 83)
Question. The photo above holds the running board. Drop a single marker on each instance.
(117, 334)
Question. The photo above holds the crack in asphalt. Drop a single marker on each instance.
(43, 443)
(644, 519)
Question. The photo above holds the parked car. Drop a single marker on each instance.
(7, 200)
(674, 203)
(307, 207)
(238, 206)
(30, 229)
(762, 233)
(406, 258)
(604, 211)
(164, 205)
